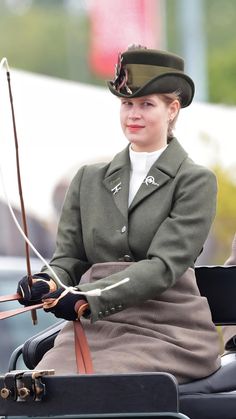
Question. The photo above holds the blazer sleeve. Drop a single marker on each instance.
(174, 247)
(69, 260)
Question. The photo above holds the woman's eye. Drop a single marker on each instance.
(126, 103)
(147, 104)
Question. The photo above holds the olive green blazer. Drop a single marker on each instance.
(163, 230)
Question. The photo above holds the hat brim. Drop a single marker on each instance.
(165, 83)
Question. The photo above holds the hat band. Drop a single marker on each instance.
(140, 74)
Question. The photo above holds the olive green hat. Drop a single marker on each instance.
(141, 71)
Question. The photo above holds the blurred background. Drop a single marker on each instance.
(61, 52)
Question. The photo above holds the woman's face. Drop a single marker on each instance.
(144, 121)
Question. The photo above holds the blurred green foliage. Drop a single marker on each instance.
(46, 39)
(50, 38)
(221, 36)
(219, 20)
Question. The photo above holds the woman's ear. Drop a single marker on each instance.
(174, 108)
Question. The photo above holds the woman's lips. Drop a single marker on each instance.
(134, 127)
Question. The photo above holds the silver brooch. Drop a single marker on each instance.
(149, 180)
(116, 188)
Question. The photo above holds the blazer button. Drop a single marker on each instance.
(123, 230)
(127, 258)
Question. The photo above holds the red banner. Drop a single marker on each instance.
(115, 24)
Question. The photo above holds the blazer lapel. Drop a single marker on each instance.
(154, 180)
(163, 169)
(116, 181)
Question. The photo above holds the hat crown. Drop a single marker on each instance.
(153, 57)
(142, 71)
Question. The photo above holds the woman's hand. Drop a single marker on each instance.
(41, 284)
(65, 304)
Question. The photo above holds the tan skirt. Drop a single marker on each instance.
(173, 333)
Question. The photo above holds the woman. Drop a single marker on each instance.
(151, 207)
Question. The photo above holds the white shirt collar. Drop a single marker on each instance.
(142, 161)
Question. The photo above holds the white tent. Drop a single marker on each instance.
(62, 125)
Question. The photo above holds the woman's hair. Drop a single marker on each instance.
(168, 98)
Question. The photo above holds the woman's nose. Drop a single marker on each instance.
(134, 112)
